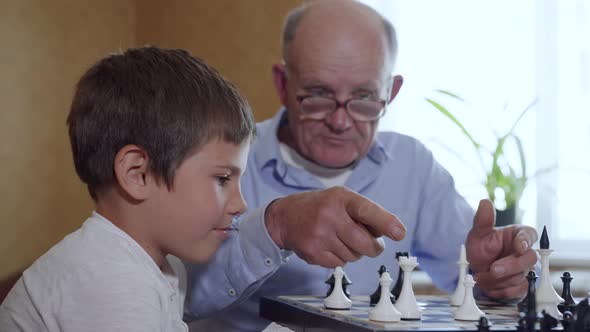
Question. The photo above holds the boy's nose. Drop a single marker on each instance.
(238, 205)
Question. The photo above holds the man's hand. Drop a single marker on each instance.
(331, 227)
(500, 257)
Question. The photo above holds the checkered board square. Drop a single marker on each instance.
(437, 314)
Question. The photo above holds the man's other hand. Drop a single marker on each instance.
(500, 257)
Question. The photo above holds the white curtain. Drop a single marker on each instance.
(499, 56)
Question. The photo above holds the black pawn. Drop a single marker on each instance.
(531, 315)
(544, 243)
(567, 321)
(345, 283)
(581, 321)
(568, 304)
(523, 305)
(548, 322)
(377, 294)
(483, 325)
(397, 288)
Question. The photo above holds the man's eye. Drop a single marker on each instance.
(222, 179)
(318, 93)
(364, 96)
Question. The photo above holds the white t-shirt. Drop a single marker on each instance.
(97, 279)
(330, 177)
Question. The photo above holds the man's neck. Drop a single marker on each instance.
(328, 176)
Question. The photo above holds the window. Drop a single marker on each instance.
(499, 56)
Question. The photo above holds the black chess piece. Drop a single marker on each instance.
(567, 321)
(531, 315)
(568, 304)
(523, 305)
(544, 243)
(483, 324)
(581, 321)
(548, 322)
(377, 294)
(397, 288)
(345, 283)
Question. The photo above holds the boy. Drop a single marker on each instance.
(161, 139)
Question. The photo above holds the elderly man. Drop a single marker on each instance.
(334, 83)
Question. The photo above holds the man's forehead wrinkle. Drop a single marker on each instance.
(330, 75)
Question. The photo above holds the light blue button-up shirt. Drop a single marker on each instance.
(398, 173)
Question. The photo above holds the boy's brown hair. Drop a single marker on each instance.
(165, 101)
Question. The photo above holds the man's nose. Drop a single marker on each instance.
(339, 120)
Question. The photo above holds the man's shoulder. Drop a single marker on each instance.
(394, 141)
(265, 128)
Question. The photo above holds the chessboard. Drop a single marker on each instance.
(307, 313)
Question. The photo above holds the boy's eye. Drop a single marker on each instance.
(222, 179)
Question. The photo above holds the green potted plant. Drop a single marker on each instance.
(502, 174)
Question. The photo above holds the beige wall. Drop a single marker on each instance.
(239, 38)
(46, 46)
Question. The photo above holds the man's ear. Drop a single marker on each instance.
(279, 78)
(398, 81)
(131, 170)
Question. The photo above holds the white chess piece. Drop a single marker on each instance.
(337, 299)
(468, 310)
(384, 311)
(459, 295)
(406, 303)
(546, 296)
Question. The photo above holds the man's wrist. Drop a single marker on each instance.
(271, 216)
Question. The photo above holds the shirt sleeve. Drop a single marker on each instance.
(442, 225)
(237, 270)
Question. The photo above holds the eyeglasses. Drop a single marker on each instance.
(364, 110)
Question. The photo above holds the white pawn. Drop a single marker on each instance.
(337, 299)
(468, 310)
(459, 295)
(406, 303)
(384, 311)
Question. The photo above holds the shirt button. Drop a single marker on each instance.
(268, 262)
(231, 292)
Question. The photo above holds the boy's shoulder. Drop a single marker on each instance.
(96, 266)
(97, 250)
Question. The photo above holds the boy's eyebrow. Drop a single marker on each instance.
(232, 169)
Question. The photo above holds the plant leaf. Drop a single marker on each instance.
(526, 109)
(450, 94)
(448, 114)
(521, 155)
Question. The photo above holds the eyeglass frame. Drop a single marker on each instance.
(344, 105)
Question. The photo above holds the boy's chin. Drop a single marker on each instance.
(200, 256)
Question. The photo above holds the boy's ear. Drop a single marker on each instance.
(131, 170)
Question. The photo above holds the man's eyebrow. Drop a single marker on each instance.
(316, 86)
